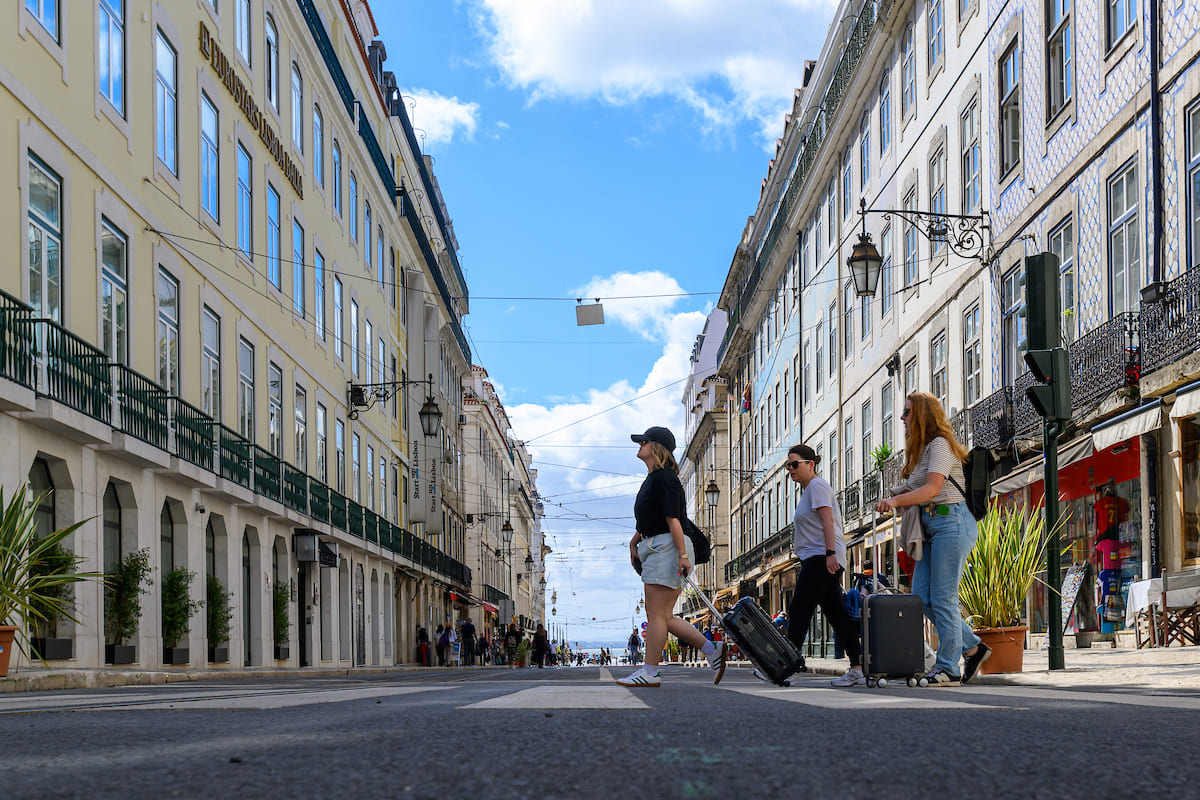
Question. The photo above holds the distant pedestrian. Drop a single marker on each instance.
(443, 641)
(635, 647)
(422, 646)
(483, 650)
(468, 642)
(512, 641)
(540, 646)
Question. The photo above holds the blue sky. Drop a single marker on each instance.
(591, 149)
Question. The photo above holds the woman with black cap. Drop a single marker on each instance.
(662, 555)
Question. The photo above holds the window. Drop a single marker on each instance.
(1193, 184)
(366, 233)
(968, 125)
(166, 541)
(972, 357)
(819, 361)
(1058, 56)
(274, 410)
(241, 30)
(848, 443)
(298, 268)
(384, 510)
(833, 460)
(885, 272)
(337, 177)
(910, 376)
(300, 446)
(297, 108)
(168, 332)
(830, 222)
(45, 242)
(910, 242)
(319, 294)
(353, 207)
(848, 324)
(864, 152)
(210, 151)
(833, 340)
(394, 394)
(210, 364)
(818, 239)
(110, 49)
(1061, 243)
(272, 67)
(114, 311)
(318, 139)
(1012, 330)
(337, 317)
(936, 25)
(339, 454)
(1010, 108)
(273, 243)
(937, 368)
(867, 446)
(355, 483)
(1121, 16)
(937, 192)
(379, 254)
(370, 477)
(392, 289)
(865, 318)
(908, 75)
(963, 7)
(886, 404)
(366, 349)
(355, 362)
(382, 354)
(246, 389)
(847, 172)
(46, 12)
(245, 203)
(1124, 263)
(321, 445)
(885, 112)
(166, 97)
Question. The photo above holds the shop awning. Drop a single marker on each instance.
(725, 593)
(763, 580)
(1186, 405)
(1067, 454)
(491, 609)
(1127, 426)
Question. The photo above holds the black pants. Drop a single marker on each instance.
(815, 586)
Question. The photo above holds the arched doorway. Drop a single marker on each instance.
(375, 632)
(247, 584)
(360, 628)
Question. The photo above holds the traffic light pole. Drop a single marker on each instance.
(1053, 549)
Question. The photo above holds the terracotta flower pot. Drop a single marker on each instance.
(1008, 648)
(7, 634)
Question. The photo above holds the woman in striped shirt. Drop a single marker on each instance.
(933, 455)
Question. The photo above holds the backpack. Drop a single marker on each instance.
(701, 545)
(977, 471)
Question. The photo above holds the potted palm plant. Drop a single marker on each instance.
(123, 606)
(177, 610)
(32, 584)
(283, 625)
(220, 615)
(1000, 571)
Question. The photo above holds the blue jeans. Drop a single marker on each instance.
(948, 542)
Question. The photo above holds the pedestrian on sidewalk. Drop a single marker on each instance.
(443, 642)
(820, 545)
(468, 642)
(662, 555)
(933, 480)
(512, 641)
(422, 646)
(539, 646)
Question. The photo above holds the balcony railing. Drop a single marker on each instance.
(318, 500)
(1170, 327)
(16, 341)
(1025, 418)
(266, 474)
(76, 374)
(356, 520)
(295, 489)
(992, 419)
(236, 462)
(142, 407)
(872, 490)
(773, 545)
(851, 500)
(1105, 359)
(961, 423)
(337, 510)
(193, 431)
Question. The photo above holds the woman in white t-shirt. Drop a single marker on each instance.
(933, 477)
(819, 544)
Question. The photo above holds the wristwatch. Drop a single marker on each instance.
(830, 553)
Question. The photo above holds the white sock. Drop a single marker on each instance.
(709, 648)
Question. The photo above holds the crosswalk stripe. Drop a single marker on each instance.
(566, 697)
(857, 699)
(286, 700)
(1037, 693)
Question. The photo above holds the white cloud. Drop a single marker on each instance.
(440, 117)
(729, 61)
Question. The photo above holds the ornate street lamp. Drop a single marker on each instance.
(712, 493)
(864, 260)
(362, 396)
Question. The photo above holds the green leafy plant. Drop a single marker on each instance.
(881, 454)
(220, 615)
(36, 573)
(1001, 568)
(523, 650)
(122, 602)
(279, 604)
(177, 605)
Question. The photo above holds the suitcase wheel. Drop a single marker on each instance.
(870, 683)
(912, 682)
(881, 682)
(785, 684)
(922, 682)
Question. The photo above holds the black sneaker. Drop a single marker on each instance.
(939, 677)
(973, 662)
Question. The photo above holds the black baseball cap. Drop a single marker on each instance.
(656, 434)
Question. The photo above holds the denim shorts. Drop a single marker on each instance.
(660, 560)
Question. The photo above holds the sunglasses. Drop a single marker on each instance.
(794, 464)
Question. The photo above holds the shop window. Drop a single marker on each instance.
(1190, 457)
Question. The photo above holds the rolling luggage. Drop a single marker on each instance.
(893, 639)
(749, 627)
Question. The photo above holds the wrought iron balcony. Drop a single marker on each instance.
(992, 419)
(892, 468)
(1025, 418)
(1169, 328)
(16, 341)
(1105, 359)
(73, 372)
(194, 433)
(295, 489)
(961, 423)
(851, 500)
(266, 474)
(872, 490)
(141, 407)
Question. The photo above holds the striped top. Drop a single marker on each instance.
(936, 457)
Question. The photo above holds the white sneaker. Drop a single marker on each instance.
(641, 677)
(717, 660)
(853, 677)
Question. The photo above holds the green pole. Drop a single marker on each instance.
(1053, 549)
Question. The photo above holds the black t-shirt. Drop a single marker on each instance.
(661, 496)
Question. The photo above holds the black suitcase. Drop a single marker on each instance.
(749, 627)
(893, 639)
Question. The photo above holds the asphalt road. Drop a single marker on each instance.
(574, 733)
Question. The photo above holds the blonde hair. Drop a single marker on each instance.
(662, 458)
(926, 422)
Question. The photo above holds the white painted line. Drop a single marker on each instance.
(565, 697)
(606, 676)
(1151, 700)
(858, 699)
(279, 700)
